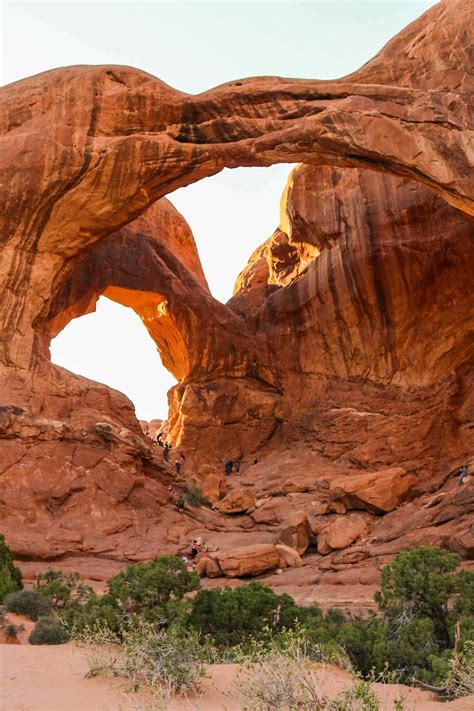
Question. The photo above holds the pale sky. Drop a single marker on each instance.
(192, 46)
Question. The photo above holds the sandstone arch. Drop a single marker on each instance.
(360, 355)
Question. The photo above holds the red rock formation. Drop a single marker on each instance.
(347, 339)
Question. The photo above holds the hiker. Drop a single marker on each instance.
(228, 468)
(171, 490)
(463, 475)
(237, 467)
(194, 549)
(182, 455)
(181, 503)
(177, 466)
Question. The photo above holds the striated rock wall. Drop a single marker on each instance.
(347, 342)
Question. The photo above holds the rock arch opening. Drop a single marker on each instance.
(111, 346)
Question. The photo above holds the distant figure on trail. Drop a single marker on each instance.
(463, 475)
(177, 466)
(171, 490)
(228, 468)
(194, 549)
(181, 503)
(182, 455)
(237, 467)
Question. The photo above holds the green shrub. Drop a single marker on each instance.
(28, 602)
(232, 616)
(48, 630)
(95, 611)
(195, 497)
(10, 576)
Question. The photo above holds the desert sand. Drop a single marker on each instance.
(52, 678)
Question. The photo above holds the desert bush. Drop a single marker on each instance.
(48, 630)
(10, 576)
(358, 697)
(232, 616)
(280, 676)
(28, 602)
(195, 497)
(168, 660)
(460, 677)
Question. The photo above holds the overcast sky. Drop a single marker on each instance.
(192, 46)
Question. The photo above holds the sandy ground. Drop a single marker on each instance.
(52, 678)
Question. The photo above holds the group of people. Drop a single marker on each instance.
(231, 466)
(167, 447)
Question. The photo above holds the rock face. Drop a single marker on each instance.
(344, 352)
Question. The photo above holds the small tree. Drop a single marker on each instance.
(62, 588)
(10, 576)
(420, 583)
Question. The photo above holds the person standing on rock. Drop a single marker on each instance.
(194, 549)
(182, 455)
(181, 503)
(177, 466)
(237, 467)
(228, 468)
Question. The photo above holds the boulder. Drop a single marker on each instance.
(341, 533)
(296, 532)
(248, 561)
(207, 566)
(378, 492)
(237, 501)
(289, 557)
(213, 486)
